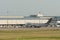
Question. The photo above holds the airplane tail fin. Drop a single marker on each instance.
(49, 21)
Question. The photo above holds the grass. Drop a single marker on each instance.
(30, 34)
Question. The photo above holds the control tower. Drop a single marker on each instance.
(39, 14)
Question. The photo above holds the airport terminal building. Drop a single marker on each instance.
(29, 21)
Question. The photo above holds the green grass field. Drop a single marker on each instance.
(33, 34)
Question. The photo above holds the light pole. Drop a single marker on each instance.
(7, 18)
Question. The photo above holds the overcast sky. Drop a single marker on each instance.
(28, 7)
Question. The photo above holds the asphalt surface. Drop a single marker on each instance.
(42, 28)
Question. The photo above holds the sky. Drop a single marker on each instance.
(29, 7)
